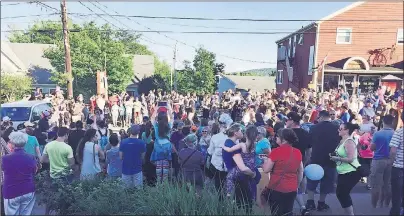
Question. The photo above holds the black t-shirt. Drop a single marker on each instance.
(304, 140)
(74, 138)
(324, 140)
(43, 125)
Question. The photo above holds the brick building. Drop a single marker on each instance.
(354, 47)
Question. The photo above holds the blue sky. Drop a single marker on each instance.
(252, 47)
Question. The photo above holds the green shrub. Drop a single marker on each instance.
(105, 197)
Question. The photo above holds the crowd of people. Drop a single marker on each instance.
(231, 140)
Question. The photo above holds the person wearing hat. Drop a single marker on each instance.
(32, 145)
(7, 128)
(132, 152)
(191, 161)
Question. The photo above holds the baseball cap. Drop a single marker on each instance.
(295, 117)
(6, 119)
(28, 124)
(46, 113)
(323, 113)
(134, 130)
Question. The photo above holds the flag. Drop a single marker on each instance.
(322, 64)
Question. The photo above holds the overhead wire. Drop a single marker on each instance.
(194, 47)
(247, 19)
(220, 32)
(143, 37)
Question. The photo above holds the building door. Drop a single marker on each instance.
(368, 83)
(348, 80)
(331, 81)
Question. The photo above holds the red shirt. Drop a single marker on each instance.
(286, 163)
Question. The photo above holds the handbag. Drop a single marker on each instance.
(364, 171)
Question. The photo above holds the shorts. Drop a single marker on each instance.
(326, 183)
(135, 180)
(380, 174)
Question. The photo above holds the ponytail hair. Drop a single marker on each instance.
(351, 127)
(251, 134)
(89, 135)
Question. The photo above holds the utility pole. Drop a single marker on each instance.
(68, 61)
(173, 69)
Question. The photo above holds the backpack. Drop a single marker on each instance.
(104, 139)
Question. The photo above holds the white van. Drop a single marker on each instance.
(23, 111)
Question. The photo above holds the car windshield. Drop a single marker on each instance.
(16, 113)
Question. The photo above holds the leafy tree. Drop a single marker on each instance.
(93, 48)
(14, 87)
(219, 68)
(151, 83)
(199, 75)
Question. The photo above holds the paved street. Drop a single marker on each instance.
(361, 199)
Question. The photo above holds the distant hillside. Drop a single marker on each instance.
(256, 72)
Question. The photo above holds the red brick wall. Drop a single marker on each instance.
(362, 43)
(300, 62)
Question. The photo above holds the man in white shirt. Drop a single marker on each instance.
(215, 150)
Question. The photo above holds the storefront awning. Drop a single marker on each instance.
(372, 70)
(391, 78)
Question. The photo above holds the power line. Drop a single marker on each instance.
(144, 37)
(183, 43)
(25, 16)
(3, 5)
(216, 32)
(245, 19)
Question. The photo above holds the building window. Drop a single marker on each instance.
(344, 36)
(279, 77)
(400, 37)
(294, 45)
(301, 39)
(290, 47)
(52, 91)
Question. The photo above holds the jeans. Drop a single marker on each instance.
(397, 195)
(21, 205)
(326, 183)
(346, 182)
(135, 180)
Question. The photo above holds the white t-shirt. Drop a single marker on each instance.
(366, 127)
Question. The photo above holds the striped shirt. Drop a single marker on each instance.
(397, 141)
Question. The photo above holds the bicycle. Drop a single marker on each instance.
(379, 58)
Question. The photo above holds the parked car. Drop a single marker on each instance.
(23, 111)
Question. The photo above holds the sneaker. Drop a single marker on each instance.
(305, 212)
(321, 206)
(310, 205)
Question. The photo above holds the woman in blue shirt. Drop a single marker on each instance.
(161, 155)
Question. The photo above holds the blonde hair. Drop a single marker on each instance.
(18, 139)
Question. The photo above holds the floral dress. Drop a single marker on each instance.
(233, 174)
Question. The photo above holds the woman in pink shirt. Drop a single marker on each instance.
(365, 153)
